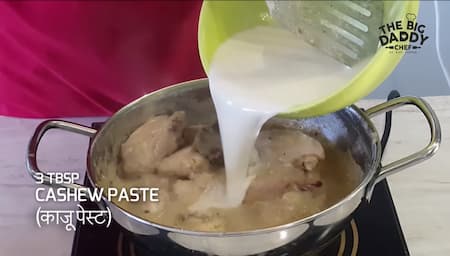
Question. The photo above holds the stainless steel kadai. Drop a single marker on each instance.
(350, 128)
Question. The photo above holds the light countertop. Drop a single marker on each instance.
(421, 193)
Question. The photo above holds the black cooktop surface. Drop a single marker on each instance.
(373, 231)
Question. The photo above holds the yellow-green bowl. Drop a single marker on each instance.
(220, 20)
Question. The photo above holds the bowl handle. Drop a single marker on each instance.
(417, 157)
(42, 128)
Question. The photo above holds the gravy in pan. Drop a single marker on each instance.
(295, 176)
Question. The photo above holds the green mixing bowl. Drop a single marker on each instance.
(220, 20)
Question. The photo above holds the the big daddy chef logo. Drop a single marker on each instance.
(403, 36)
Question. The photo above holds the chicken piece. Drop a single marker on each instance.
(189, 191)
(207, 142)
(255, 165)
(190, 132)
(306, 162)
(273, 185)
(183, 164)
(157, 138)
(290, 148)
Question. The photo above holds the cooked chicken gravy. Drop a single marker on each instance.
(295, 176)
